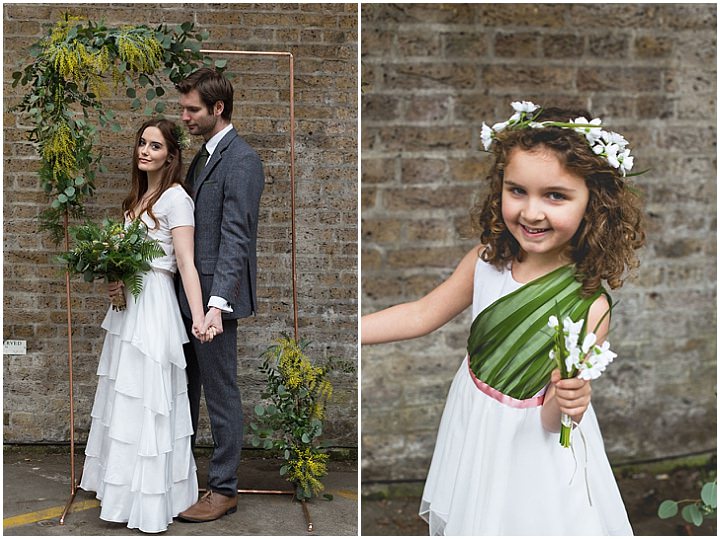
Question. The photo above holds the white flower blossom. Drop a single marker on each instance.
(486, 136)
(572, 362)
(591, 372)
(572, 328)
(571, 341)
(615, 138)
(606, 355)
(588, 342)
(553, 322)
(611, 154)
(500, 126)
(626, 161)
(591, 133)
(524, 106)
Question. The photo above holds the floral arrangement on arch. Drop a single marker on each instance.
(72, 69)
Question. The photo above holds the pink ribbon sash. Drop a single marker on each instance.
(501, 397)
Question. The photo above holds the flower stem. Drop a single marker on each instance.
(565, 430)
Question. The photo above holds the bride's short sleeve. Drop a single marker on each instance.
(182, 210)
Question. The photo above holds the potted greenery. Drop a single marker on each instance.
(291, 418)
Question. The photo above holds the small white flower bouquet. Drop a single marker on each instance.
(586, 361)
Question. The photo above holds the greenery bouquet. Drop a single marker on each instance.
(114, 252)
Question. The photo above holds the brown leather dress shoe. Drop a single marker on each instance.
(210, 507)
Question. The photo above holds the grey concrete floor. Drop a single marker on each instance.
(36, 487)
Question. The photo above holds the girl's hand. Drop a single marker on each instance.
(115, 289)
(572, 395)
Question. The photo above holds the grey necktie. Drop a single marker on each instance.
(200, 163)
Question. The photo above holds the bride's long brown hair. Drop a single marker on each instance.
(171, 172)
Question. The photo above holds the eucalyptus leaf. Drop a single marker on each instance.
(709, 494)
(691, 513)
(668, 509)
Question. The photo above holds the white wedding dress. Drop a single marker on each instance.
(496, 470)
(138, 455)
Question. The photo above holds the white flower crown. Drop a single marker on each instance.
(612, 146)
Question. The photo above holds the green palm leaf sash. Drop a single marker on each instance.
(510, 341)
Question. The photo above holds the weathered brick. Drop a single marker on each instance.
(517, 45)
(466, 45)
(430, 76)
(528, 77)
(646, 79)
(563, 46)
(424, 170)
(609, 45)
(418, 43)
(381, 107)
(653, 46)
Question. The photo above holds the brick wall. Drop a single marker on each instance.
(431, 74)
(323, 40)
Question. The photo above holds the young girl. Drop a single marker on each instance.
(138, 455)
(559, 219)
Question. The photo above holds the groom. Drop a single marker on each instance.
(226, 181)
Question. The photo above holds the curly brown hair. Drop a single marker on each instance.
(603, 248)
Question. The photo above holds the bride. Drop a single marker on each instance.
(138, 456)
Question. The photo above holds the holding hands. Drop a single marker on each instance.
(205, 330)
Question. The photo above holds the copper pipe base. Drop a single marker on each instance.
(73, 491)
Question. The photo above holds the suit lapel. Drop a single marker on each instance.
(214, 160)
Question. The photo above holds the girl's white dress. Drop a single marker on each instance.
(138, 455)
(496, 471)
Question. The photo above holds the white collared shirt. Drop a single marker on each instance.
(210, 145)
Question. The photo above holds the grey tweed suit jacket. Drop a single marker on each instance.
(227, 200)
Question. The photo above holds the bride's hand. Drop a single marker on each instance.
(197, 331)
(115, 289)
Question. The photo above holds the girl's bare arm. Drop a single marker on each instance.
(420, 317)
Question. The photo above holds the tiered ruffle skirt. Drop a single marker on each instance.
(138, 456)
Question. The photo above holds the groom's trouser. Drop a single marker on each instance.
(213, 366)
